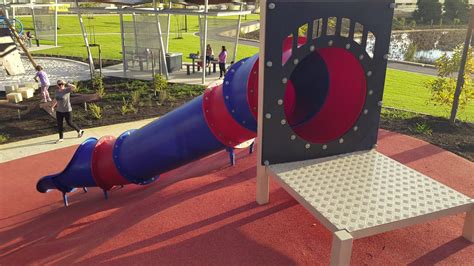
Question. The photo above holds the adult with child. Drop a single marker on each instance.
(222, 61)
(44, 83)
(62, 103)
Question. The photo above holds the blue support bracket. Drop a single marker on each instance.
(252, 147)
(66, 203)
(231, 152)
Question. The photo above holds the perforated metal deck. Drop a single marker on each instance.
(366, 193)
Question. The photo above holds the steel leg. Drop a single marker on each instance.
(341, 248)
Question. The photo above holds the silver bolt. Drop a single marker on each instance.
(365, 111)
(284, 80)
(371, 92)
(233, 111)
(341, 140)
(356, 128)
(268, 115)
(325, 147)
(226, 83)
(293, 137)
(232, 70)
(227, 97)
(380, 103)
(271, 5)
(269, 63)
(280, 102)
(283, 121)
(296, 61)
(330, 42)
(348, 46)
(361, 57)
(267, 163)
(385, 56)
(307, 146)
(312, 48)
(369, 73)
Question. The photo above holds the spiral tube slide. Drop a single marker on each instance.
(323, 98)
(220, 118)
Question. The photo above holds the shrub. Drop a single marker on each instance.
(98, 83)
(422, 128)
(127, 107)
(428, 11)
(443, 87)
(3, 138)
(160, 83)
(135, 97)
(96, 111)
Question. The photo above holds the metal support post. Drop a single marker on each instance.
(56, 23)
(204, 43)
(237, 34)
(460, 81)
(122, 33)
(168, 34)
(86, 41)
(263, 179)
(162, 56)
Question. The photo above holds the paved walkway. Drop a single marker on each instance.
(20, 149)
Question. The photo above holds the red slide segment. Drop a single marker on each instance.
(103, 167)
(228, 131)
(345, 99)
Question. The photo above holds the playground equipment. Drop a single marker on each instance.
(12, 62)
(316, 99)
(16, 22)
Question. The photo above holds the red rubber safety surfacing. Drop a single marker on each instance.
(345, 99)
(103, 167)
(220, 121)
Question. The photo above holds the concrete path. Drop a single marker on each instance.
(20, 149)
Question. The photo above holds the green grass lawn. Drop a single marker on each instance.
(403, 90)
(107, 34)
(406, 90)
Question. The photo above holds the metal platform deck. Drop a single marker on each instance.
(366, 193)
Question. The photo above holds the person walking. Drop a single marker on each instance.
(62, 103)
(222, 60)
(44, 83)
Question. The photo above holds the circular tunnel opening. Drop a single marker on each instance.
(325, 95)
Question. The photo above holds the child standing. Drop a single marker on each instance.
(44, 83)
(222, 60)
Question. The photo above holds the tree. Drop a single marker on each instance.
(428, 11)
(456, 9)
(443, 87)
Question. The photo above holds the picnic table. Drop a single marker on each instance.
(198, 62)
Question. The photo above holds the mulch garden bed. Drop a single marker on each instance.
(35, 122)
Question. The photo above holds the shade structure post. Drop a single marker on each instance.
(86, 41)
(204, 43)
(162, 55)
(122, 34)
(56, 23)
(237, 34)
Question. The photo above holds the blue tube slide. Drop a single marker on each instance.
(175, 139)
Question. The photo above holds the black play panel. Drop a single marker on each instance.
(323, 92)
